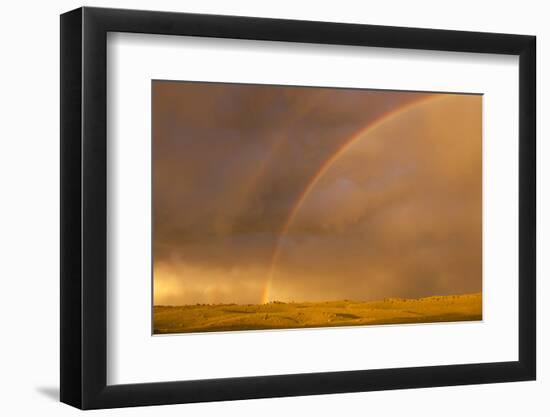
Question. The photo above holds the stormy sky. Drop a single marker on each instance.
(265, 193)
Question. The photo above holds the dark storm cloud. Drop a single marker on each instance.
(219, 147)
(229, 164)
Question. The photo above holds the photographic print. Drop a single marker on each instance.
(283, 207)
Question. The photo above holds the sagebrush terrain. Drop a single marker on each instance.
(279, 315)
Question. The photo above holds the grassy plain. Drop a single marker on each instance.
(279, 315)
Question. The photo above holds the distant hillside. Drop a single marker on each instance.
(278, 315)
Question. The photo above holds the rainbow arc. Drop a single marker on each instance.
(372, 126)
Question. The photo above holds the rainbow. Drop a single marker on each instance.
(250, 186)
(319, 174)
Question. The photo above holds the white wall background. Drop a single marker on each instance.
(29, 208)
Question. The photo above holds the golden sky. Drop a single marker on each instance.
(265, 193)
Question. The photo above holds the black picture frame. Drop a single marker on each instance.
(84, 207)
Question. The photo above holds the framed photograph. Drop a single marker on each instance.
(257, 208)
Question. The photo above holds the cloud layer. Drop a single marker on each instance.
(397, 214)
